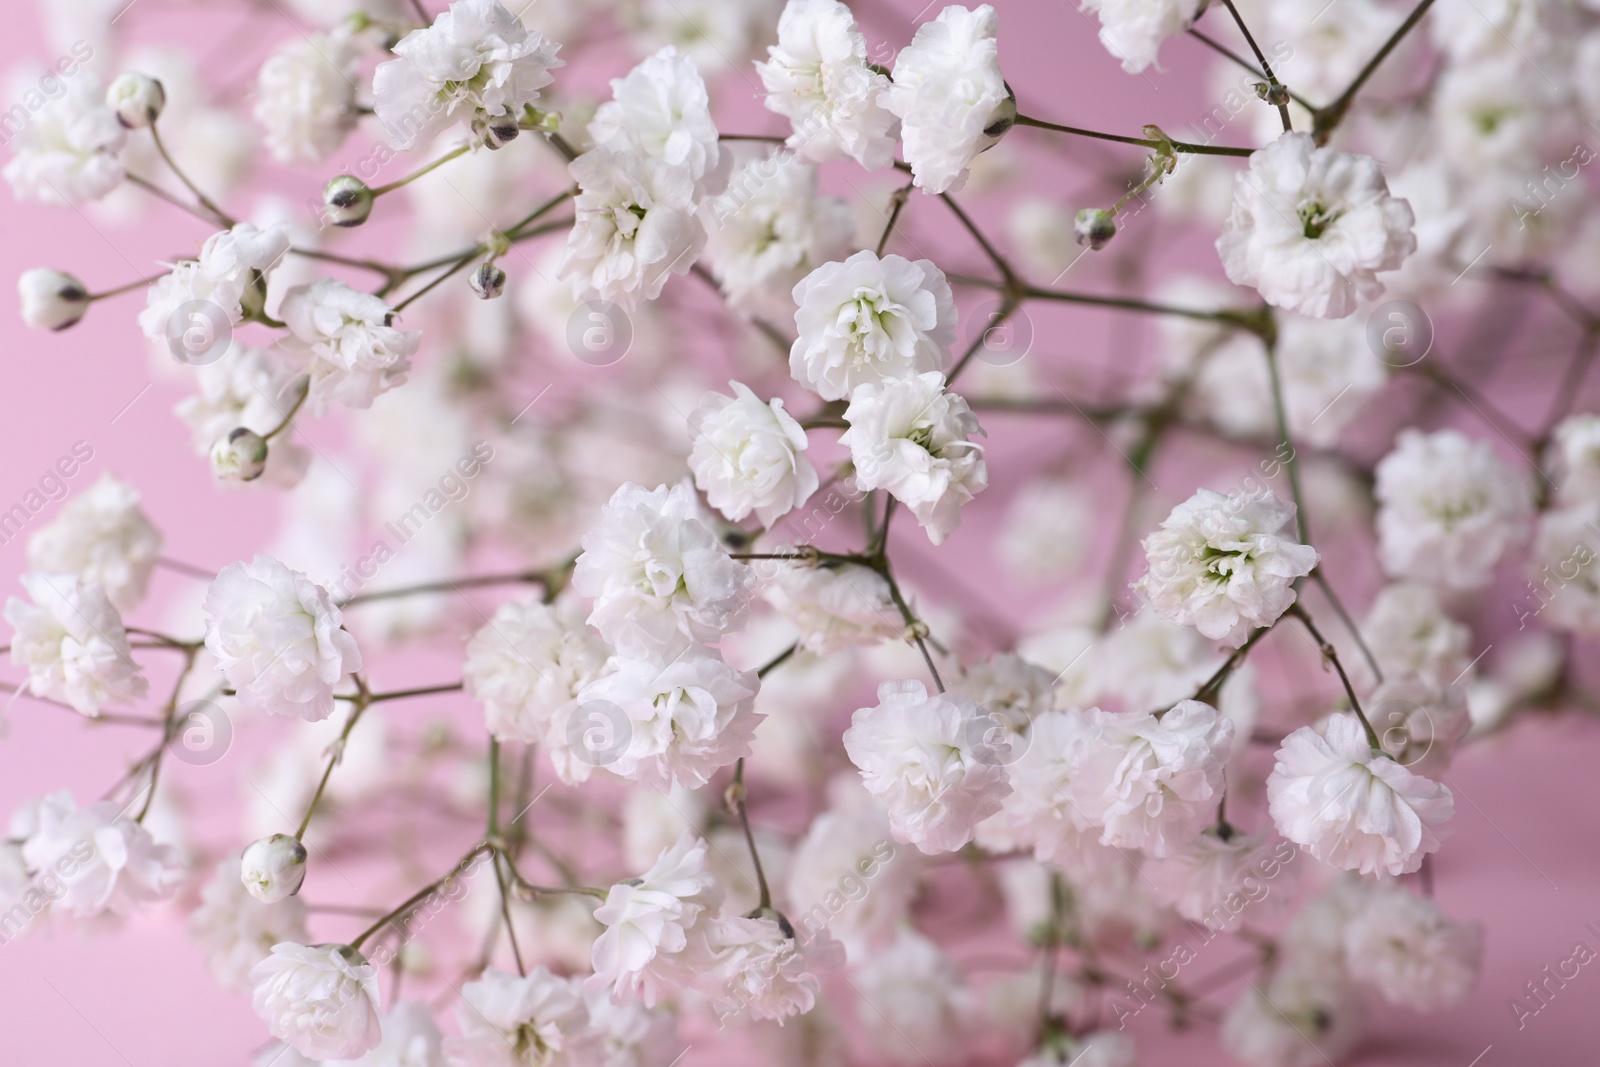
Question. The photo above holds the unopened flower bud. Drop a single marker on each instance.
(1094, 227)
(497, 132)
(347, 200)
(239, 457)
(137, 99)
(488, 281)
(273, 868)
(51, 300)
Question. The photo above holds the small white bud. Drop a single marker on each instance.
(239, 457)
(51, 300)
(273, 868)
(347, 200)
(138, 99)
(1094, 227)
(488, 281)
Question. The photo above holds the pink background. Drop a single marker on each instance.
(1522, 859)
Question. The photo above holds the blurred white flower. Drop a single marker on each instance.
(762, 968)
(99, 858)
(771, 228)
(924, 1010)
(321, 1000)
(1132, 30)
(103, 537)
(1405, 948)
(1299, 1018)
(528, 663)
(236, 930)
(1448, 509)
(1409, 633)
(278, 639)
(69, 150)
(1222, 881)
(306, 96)
(506, 1020)
(835, 608)
(72, 642)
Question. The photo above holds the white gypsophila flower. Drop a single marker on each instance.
(1152, 783)
(1448, 509)
(1039, 813)
(835, 608)
(236, 930)
(629, 1035)
(1564, 580)
(657, 574)
(762, 968)
(1222, 881)
(1410, 633)
(247, 388)
(769, 229)
(818, 77)
(51, 299)
(1132, 30)
(926, 759)
(923, 1006)
(273, 868)
(72, 642)
(1405, 948)
(70, 149)
(848, 877)
(506, 1021)
(654, 942)
(659, 725)
(1328, 53)
(528, 663)
(306, 96)
(1351, 806)
(1225, 564)
(1311, 227)
(345, 339)
(103, 537)
(747, 456)
(636, 226)
(1299, 1018)
(1420, 723)
(910, 436)
(278, 639)
(661, 109)
(475, 62)
(949, 96)
(870, 318)
(1575, 458)
(229, 274)
(321, 1000)
(410, 1039)
(103, 861)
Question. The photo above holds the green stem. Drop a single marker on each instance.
(1143, 142)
